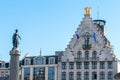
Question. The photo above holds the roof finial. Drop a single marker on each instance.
(40, 51)
(87, 11)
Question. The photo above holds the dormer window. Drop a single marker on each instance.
(39, 60)
(27, 61)
(3, 65)
(51, 60)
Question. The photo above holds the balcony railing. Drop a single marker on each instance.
(86, 46)
(87, 59)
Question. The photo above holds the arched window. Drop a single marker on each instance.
(86, 55)
(63, 76)
(86, 75)
(79, 55)
(102, 75)
(94, 55)
(78, 75)
(94, 75)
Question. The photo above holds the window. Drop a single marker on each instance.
(79, 55)
(110, 75)
(86, 75)
(63, 75)
(87, 55)
(39, 73)
(94, 75)
(27, 62)
(51, 73)
(63, 65)
(78, 75)
(39, 60)
(94, 65)
(27, 74)
(79, 65)
(71, 76)
(102, 75)
(102, 65)
(3, 65)
(52, 60)
(71, 65)
(86, 65)
(110, 65)
(2, 74)
(94, 55)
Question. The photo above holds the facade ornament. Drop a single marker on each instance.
(87, 11)
(86, 44)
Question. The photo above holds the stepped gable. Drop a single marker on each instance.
(89, 36)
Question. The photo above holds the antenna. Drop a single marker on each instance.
(97, 12)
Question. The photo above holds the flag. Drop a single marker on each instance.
(77, 37)
(94, 37)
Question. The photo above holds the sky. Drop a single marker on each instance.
(49, 25)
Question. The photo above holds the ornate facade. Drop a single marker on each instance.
(88, 55)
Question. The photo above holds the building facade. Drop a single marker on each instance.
(4, 70)
(88, 56)
(39, 68)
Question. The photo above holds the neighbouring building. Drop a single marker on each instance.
(88, 56)
(4, 70)
(117, 76)
(39, 67)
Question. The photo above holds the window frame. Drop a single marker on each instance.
(53, 60)
(63, 75)
(102, 75)
(87, 55)
(27, 61)
(64, 65)
(102, 64)
(86, 65)
(79, 65)
(71, 65)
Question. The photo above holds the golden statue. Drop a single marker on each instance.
(87, 11)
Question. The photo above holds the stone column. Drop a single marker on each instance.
(67, 72)
(14, 64)
(46, 73)
(55, 73)
(75, 71)
(31, 73)
(22, 76)
(106, 66)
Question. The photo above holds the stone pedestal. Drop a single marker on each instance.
(14, 64)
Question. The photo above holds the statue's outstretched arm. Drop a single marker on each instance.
(19, 37)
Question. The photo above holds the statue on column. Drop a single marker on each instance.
(15, 39)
